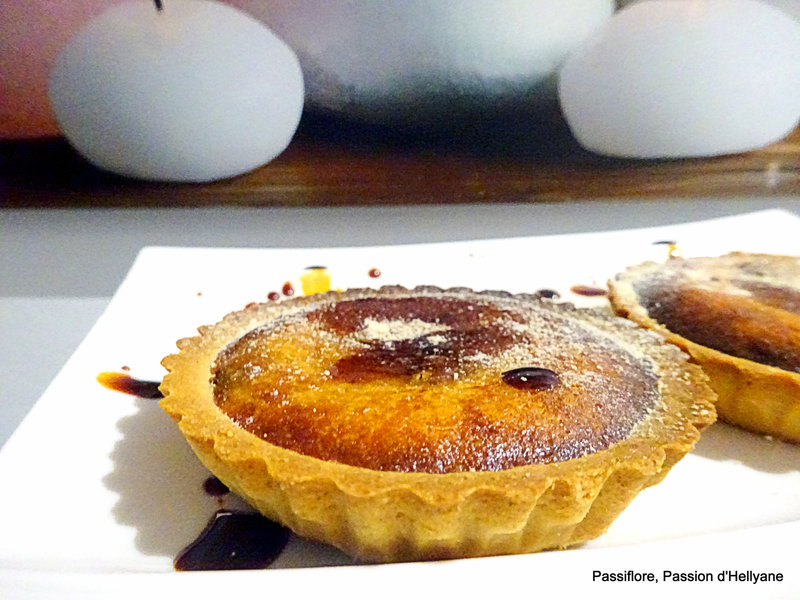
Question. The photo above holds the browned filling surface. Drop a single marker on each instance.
(417, 384)
(762, 326)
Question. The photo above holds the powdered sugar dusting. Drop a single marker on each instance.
(389, 330)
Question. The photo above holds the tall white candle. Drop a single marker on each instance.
(193, 91)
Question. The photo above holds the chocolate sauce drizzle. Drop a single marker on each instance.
(234, 540)
(120, 382)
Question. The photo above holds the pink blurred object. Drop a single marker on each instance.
(33, 31)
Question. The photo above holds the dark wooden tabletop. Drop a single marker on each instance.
(331, 162)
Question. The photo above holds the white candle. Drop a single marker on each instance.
(193, 91)
(667, 79)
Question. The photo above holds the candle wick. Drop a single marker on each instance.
(159, 5)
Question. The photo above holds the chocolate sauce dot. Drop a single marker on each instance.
(288, 289)
(214, 487)
(120, 382)
(374, 273)
(234, 540)
(273, 296)
(546, 293)
(587, 290)
(531, 378)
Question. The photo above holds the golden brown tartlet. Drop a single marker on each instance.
(416, 424)
(738, 315)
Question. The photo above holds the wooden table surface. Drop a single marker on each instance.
(331, 162)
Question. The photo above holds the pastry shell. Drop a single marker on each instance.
(757, 397)
(383, 516)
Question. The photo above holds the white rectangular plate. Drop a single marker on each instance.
(101, 492)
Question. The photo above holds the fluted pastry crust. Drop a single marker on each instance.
(481, 481)
(738, 315)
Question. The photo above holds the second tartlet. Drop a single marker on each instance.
(738, 315)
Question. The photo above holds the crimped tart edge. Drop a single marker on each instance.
(753, 396)
(390, 516)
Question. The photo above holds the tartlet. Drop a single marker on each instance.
(419, 424)
(738, 315)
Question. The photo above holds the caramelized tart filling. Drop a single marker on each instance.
(746, 318)
(433, 384)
